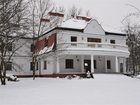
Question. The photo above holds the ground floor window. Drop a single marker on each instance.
(32, 66)
(95, 64)
(36, 65)
(45, 65)
(69, 63)
(108, 64)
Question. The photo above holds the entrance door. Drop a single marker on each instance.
(87, 65)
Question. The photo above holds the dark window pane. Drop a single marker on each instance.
(95, 64)
(94, 40)
(69, 63)
(36, 65)
(31, 65)
(45, 65)
(32, 47)
(112, 41)
(108, 64)
(73, 39)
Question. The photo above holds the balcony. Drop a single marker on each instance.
(95, 46)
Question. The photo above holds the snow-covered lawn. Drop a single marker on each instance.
(105, 89)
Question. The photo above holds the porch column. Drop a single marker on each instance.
(124, 65)
(57, 65)
(116, 64)
(92, 63)
(82, 64)
(105, 64)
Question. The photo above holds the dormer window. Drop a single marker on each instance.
(112, 41)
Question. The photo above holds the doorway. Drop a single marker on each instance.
(87, 65)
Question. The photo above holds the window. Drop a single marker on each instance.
(9, 66)
(98, 40)
(112, 41)
(31, 66)
(69, 63)
(36, 65)
(32, 47)
(73, 39)
(95, 64)
(45, 65)
(108, 64)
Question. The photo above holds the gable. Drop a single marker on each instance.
(93, 27)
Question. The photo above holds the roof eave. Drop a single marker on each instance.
(113, 33)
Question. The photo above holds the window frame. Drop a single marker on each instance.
(108, 64)
(95, 64)
(45, 65)
(69, 63)
(96, 40)
(72, 39)
(112, 41)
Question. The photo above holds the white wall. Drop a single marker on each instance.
(93, 27)
(77, 64)
(65, 37)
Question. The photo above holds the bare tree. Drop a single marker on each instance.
(11, 30)
(41, 22)
(73, 12)
(132, 28)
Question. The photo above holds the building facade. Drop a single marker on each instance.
(75, 47)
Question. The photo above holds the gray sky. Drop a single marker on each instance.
(107, 12)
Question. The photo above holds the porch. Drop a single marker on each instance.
(72, 64)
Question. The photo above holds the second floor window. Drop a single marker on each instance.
(97, 40)
(32, 48)
(73, 39)
(112, 41)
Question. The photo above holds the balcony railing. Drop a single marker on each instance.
(96, 45)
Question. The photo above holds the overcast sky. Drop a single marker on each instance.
(108, 12)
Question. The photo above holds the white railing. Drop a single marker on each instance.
(95, 45)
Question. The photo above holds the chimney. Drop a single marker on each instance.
(83, 18)
(56, 18)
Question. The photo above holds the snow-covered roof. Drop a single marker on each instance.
(46, 49)
(74, 24)
(112, 30)
(81, 24)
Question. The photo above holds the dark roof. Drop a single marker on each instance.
(111, 33)
(81, 30)
(60, 28)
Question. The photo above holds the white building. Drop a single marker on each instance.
(75, 47)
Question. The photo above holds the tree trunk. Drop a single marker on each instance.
(33, 70)
(3, 81)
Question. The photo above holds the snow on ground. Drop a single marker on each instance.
(105, 89)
